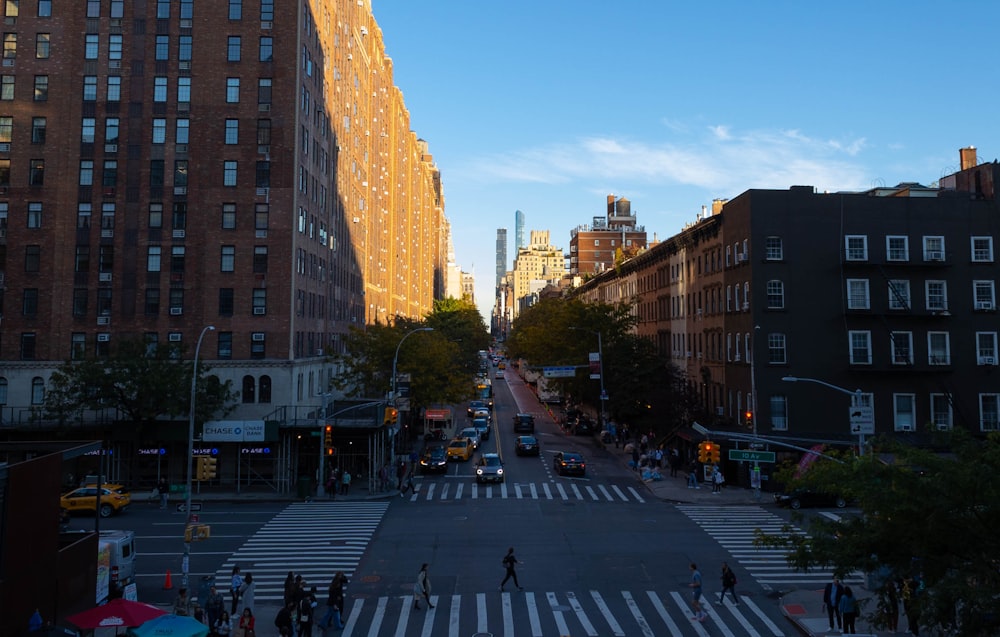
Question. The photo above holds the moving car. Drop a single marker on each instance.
(499, 374)
(799, 498)
(460, 449)
(490, 468)
(526, 446)
(482, 427)
(524, 424)
(476, 405)
(435, 459)
(569, 463)
(472, 434)
(114, 499)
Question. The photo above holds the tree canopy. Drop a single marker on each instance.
(927, 513)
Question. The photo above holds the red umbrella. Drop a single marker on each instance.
(117, 612)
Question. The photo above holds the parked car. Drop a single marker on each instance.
(490, 468)
(434, 460)
(472, 434)
(524, 424)
(526, 446)
(114, 499)
(569, 463)
(584, 427)
(799, 498)
(460, 449)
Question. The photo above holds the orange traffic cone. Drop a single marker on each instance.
(168, 584)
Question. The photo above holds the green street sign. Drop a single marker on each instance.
(752, 456)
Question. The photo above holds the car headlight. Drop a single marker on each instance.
(479, 472)
(499, 472)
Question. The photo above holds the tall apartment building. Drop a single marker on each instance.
(168, 165)
(518, 230)
(592, 249)
(536, 266)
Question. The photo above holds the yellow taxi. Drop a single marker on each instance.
(114, 499)
(460, 449)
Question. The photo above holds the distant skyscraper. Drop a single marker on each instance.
(518, 230)
(501, 254)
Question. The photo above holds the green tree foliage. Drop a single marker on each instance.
(144, 382)
(463, 325)
(927, 513)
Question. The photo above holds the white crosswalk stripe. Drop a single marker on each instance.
(427, 491)
(734, 528)
(539, 614)
(314, 539)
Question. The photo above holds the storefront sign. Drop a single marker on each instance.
(233, 431)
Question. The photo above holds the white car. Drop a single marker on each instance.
(472, 434)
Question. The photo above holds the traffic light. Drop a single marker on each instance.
(748, 419)
(703, 448)
(714, 454)
(206, 467)
(391, 416)
(328, 436)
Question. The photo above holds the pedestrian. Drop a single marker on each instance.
(198, 613)
(831, 600)
(234, 589)
(163, 490)
(408, 485)
(848, 607)
(674, 461)
(215, 605)
(400, 474)
(247, 591)
(182, 604)
(307, 608)
(911, 604)
(509, 562)
(334, 603)
(383, 478)
(695, 584)
(422, 588)
(890, 605)
(283, 620)
(223, 626)
(35, 622)
(699, 613)
(693, 476)
(728, 584)
(635, 458)
(717, 480)
(345, 482)
(289, 588)
(247, 625)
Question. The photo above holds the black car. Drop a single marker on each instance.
(524, 424)
(526, 446)
(434, 460)
(584, 427)
(807, 498)
(569, 463)
(476, 404)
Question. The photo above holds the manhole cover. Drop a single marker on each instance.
(482, 635)
(368, 579)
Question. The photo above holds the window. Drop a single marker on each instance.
(266, 10)
(79, 301)
(162, 51)
(110, 179)
(42, 46)
(180, 177)
(225, 350)
(934, 248)
(153, 258)
(982, 248)
(182, 131)
(156, 173)
(266, 49)
(35, 214)
(941, 414)
(986, 348)
(184, 48)
(897, 248)
(159, 130)
(28, 354)
(7, 88)
(983, 295)
(6, 129)
(114, 47)
(151, 305)
(175, 301)
(856, 247)
(187, 10)
(260, 218)
(773, 249)
(38, 130)
(264, 395)
(938, 348)
(183, 90)
(117, 9)
(904, 412)
(232, 90)
(44, 8)
(162, 9)
(9, 46)
(989, 412)
(91, 46)
(111, 130)
(264, 91)
(902, 347)
(225, 301)
(775, 295)
(235, 9)
(257, 345)
(249, 389)
(177, 256)
(29, 304)
(36, 172)
(114, 88)
(4, 173)
(232, 131)
(11, 9)
(89, 88)
(32, 258)
(857, 294)
(262, 175)
(776, 354)
(229, 173)
(259, 302)
(263, 132)
(160, 89)
(229, 216)
(81, 260)
(233, 49)
(937, 295)
(861, 347)
(260, 259)
(179, 219)
(899, 294)
(779, 412)
(78, 346)
(86, 172)
(228, 261)
(156, 215)
(93, 8)
(41, 88)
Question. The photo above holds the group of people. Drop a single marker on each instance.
(842, 607)
(339, 482)
(238, 621)
(728, 578)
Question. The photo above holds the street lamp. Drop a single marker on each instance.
(395, 360)
(186, 563)
(600, 361)
(855, 400)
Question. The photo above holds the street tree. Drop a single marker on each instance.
(461, 323)
(928, 516)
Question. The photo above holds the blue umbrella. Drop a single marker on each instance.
(170, 626)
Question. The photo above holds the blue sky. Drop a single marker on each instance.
(548, 106)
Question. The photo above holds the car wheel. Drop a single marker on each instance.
(795, 503)
(107, 510)
(840, 503)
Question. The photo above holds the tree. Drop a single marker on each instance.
(928, 513)
(146, 383)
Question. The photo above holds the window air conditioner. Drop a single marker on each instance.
(103, 320)
(257, 337)
(987, 360)
(935, 255)
(984, 305)
(103, 338)
(259, 311)
(104, 277)
(174, 337)
(176, 311)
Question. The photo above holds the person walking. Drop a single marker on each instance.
(422, 588)
(283, 620)
(163, 490)
(890, 606)
(848, 607)
(699, 614)
(693, 476)
(234, 589)
(307, 608)
(509, 562)
(728, 584)
(345, 482)
(717, 480)
(334, 603)
(831, 601)
(215, 605)
(408, 485)
(695, 584)
(247, 591)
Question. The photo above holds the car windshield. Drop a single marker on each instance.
(491, 461)
(436, 452)
(526, 440)
(469, 433)
(458, 443)
(572, 457)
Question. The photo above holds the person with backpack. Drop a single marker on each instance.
(306, 607)
(509, 562)
(728, 584)
(283, 621)
(422, 588)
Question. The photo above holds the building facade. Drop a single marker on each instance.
(536, 266)
(593, 249)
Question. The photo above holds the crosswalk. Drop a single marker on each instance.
(536, 614)
(559, 490)
(312, 539)
(734, 528)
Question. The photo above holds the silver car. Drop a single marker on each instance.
(490, 468)
(472, 434)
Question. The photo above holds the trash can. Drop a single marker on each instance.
(207, 582)
(305, 486)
